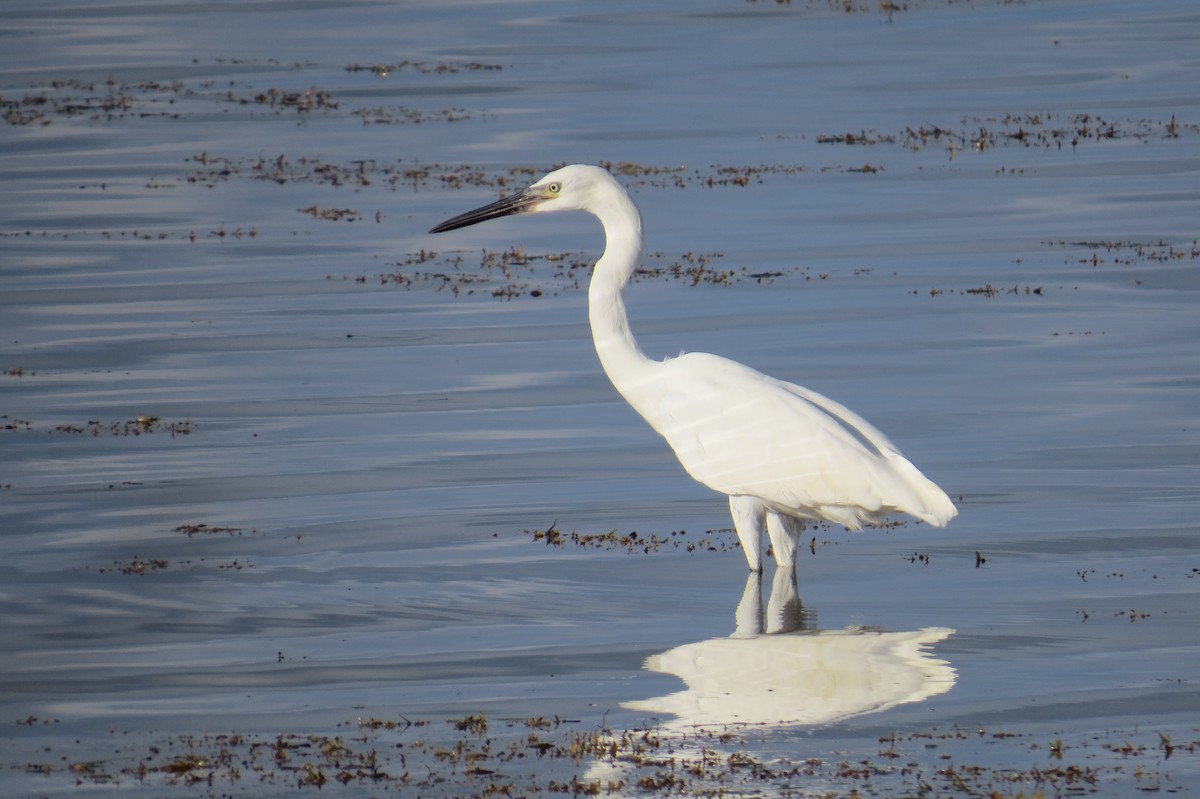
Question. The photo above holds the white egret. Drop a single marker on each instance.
(784, 455)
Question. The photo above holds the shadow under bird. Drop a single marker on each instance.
(783, 454)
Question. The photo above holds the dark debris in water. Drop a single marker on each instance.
(634, 542)
(517, 272)
(425, 67)
(475, 756)
(140, 566)
(213, 169)
(1129, 253)
(989, 291)
(1045, 131)
(43, 103)
(141, 425)
(203, 529)
(1094, 254)
(137, 565)
(887, 8)
(331, 214)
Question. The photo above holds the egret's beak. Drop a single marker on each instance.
(513, 204)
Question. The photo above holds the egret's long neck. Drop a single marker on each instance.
(620, 356)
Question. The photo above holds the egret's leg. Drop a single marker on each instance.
(784, 532)
(748, 515)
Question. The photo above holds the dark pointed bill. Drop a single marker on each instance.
(513, 204)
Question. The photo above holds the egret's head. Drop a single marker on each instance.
(572, 188)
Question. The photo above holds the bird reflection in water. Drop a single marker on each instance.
(777, 671)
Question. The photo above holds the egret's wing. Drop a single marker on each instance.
(930, 503)
(866, 432)
(741, 432)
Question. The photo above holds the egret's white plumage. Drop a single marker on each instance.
(783, 454)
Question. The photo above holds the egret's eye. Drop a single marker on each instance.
(554, 188)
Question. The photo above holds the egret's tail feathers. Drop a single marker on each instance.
(927, 502)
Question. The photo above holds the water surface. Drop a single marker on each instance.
(273, 457)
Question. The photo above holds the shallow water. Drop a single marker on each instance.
(974, 223)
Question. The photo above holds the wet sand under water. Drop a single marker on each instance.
(277, 469)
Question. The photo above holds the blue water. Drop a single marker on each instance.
(977, 223)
